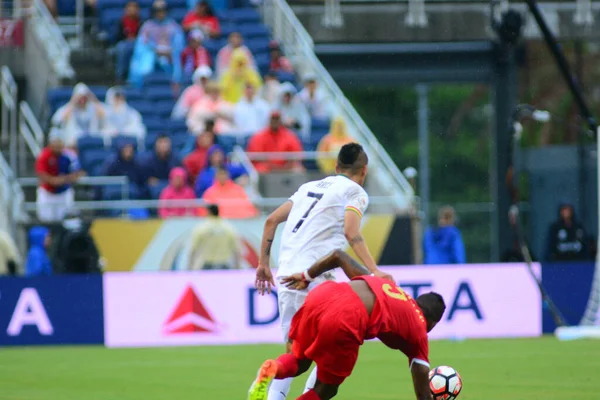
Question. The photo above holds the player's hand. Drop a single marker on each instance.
(264, 279)
(381, 274)
(295, 281)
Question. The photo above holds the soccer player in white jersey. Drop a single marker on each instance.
(321, 216)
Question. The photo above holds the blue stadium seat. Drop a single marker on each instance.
(287, 77)
(320, 124)
(177, 125)
(252, 31)
(157, 78)
(85, 143)
(214, 45)
(133, 94)
(177, 13)
(92, 159)
(159, 92)
(228, 142)
(179, 142)
(242, 15)
(174, 4)
(164, 108)
(99, 91)
(227, 28)
(155, 124)
(66, 7)
(263, 62)
(258, 45)
(104, 4)
(58, 97)
(143, 107)
(108, 18)
(121, 140)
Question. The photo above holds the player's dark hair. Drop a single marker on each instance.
(213, 210)
(433, 306)
(352, 158)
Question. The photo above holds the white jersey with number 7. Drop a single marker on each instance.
(315, 225)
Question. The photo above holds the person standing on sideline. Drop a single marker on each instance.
(57, 169)
(214, 244)
(444, 244)
(567, 240)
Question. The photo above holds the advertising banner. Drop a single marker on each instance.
(222, 307)
(51, 310)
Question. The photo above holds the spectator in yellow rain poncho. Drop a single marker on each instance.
(235, 78)
(332, 143)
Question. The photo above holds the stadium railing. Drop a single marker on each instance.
(12, 201)
(299, 46)
(8, 91)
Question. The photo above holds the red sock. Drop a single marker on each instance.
(310, 395)
(287, 366)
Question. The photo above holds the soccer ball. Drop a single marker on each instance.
(445, 383)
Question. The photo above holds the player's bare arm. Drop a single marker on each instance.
(335, 259)
(264, 277)
(357, 243)
(420, 375)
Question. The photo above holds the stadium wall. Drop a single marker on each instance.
(222, 307)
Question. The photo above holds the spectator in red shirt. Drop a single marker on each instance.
(57, 169)
(279, 63)
(197, 160)
(194, 55)
(128, 31)
(203, 18)
(275, 138)
(232, 199)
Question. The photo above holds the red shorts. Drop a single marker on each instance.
(329, 329)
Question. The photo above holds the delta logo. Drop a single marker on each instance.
(190, 316)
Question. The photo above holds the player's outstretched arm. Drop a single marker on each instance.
(335, 259)
(264, 277)
(420, 375)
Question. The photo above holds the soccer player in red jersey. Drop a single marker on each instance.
(337, 318)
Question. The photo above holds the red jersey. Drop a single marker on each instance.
(56, 165)
(269, 141)
(130, 26)
(209, 22)
(397, 320)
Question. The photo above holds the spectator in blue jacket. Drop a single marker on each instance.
(38, 263)
(158, 164)
(216, 160)
(444, 244)
(124, 163)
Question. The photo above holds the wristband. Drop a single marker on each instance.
(307, 277)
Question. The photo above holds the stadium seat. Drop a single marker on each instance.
(85, 143)
(133, 94)
(66, 7)
(258, 45)
(177, 13)
(105, 4)
(108, 18)
(121, 140)
(177, 4)
(227, 28)
(253, 31)
(164, 108)
(159, 92)
(143, 107)
(227, 142)
(320, 124)
(263, 62)
(99, 91)
(242, 15)
(92, 159)
(214, 45)
(157, 78)
(287, 77)
(177, 125)
(58, 97)
(150, 140)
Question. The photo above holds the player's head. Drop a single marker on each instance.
(433, 307)
(352, 161)
(55, 141)
(213, 210)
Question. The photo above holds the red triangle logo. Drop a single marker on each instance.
(190, 315)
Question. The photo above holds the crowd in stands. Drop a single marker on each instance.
(217, 96)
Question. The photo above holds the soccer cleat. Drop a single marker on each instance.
(260, 387)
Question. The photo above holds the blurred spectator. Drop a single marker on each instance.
(158, 46)
(124, 163)
(9, 255)
(158, 165)
(567, 240)
(444, 244)
(38, 263)
(294, 114)
(218, 5)
(275, 138)
(214, 244)
(203, 18)
(57, 169)
(74, 249)
(211, 107)
(332, 143)
(231, 198)
(121, 119)
(127, 33)
(314, 99)
(271, 89)
(197, 160)
(194, 55)
(83, 114)
(178, 189)
(251, 113)
(279, 63)
(224, 55)
(237, 76)
(193, 93)
(216, 161)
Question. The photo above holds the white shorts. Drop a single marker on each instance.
(290, 302)
(52, 207)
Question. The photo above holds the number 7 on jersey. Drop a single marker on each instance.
(317, 197)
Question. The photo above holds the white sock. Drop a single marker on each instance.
(279, 389)
(312, 379)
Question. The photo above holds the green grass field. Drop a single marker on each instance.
(491, 369)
